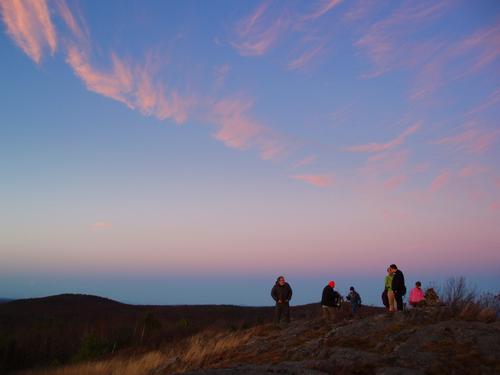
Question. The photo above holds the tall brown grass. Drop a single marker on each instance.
(200, 350)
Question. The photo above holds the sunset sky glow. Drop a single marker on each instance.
(173, 151)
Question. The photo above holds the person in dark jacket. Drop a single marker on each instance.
(330, 301)
(282, 294)
(355, 300)
(398, 286)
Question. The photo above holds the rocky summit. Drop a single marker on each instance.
(417, 342)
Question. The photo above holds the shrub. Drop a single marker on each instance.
(457, 293)
(93, 346)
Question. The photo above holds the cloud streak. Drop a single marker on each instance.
(379, 147)
(472, 140)
(440, 181)
(259, 31)
(317, 180)
(29, 25)
(237, 129)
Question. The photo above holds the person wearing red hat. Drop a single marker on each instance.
(330, 300)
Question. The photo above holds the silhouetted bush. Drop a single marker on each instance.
(457, 293)
(93, 346)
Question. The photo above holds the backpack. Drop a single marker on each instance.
(337, 299)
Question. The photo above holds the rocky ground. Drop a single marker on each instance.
(420, 341)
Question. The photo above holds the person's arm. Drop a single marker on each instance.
(290, 293)
(274, 294)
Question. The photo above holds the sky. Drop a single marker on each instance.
(186, 152)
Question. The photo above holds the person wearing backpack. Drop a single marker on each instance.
(282, 294)
(398, 286)
(355, 300)
(330, 301)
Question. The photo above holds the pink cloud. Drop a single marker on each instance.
(395, 181)
(379, 147)
(495, 205)
(133, 85)
(321, 180)
(29, 25)
(472, 170)
(492, 100)
(386, 41)
(472, 140)
(306, 161)
(384, 163)
(237, 129)
(259, 31)
(496, 181)
(324, 7)
(440, 181)
(220, 73)
(422, 167)
(115, 84)
(306, 57)
(460, 59)
(77, 27)
(390, 214)
(102, 225)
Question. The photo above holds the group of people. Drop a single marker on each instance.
(395, 290)
(331, 300)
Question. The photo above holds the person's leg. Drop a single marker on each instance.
(399, 301)
(286, 312)
(354, 308)
(325, 313)
(390, 296)
(277, 313)
(332, 313)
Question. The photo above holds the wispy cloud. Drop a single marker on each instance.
(318, 180)
(493, 100)
(306, 161)
(76, 25)
(458, 59)
(387, 44)
(323, 7)
(237, 129)
(259, 31)
(472, 170)
(30, 26)
(422, 167)
(440, 181)
(379, 147)
(472, 140)
(395, 181)
(306, 56)
(220, 73)
(101, 225)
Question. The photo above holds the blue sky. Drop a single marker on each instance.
(200, 142)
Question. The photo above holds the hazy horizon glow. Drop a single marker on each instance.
(316, 139)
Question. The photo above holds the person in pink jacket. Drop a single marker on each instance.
(417, 297)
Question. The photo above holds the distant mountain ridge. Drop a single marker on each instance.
(4, 300)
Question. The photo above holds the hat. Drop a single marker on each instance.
(332, 283)
(351, 288)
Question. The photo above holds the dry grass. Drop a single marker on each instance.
(202, 350)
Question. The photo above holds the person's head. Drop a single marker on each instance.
(418, 284)
(331, 284)
(393, 268)
(280, 280)
(351, 289)
(389, 270)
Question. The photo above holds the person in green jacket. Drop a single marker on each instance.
(390, 292)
